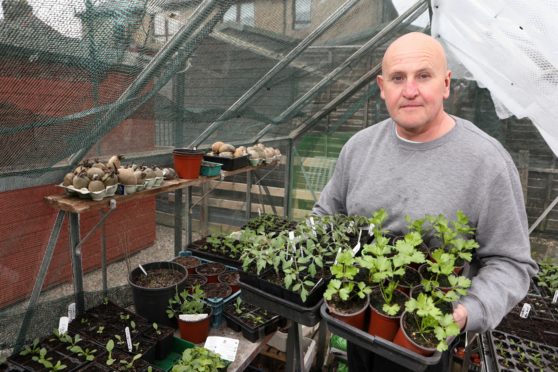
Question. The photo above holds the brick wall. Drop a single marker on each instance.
(25, 226)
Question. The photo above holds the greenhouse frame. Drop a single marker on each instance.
(212, 128)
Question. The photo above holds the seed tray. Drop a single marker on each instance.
(515, 353)
(308, 316)
(229, 164)
(378, 345)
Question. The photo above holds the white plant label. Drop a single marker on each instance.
(226, 347)
(63, 325)
(71, 311)
(192, 317)
(371, 227)
(128, 338)
(525, 311)
(142, 269)
(291, 236)
(337, 255)
(313, 226)
(259, 212)
(555, 298)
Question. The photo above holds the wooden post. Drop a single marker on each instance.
(523, 168)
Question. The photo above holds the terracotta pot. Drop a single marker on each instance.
(195, 331)
(194, 279)
(189, 262)
(216, 290)
(232, 278)
(425, 274)
(412, 275)
(402, 339)
(383, 325)
(356, 319)
(211, 270)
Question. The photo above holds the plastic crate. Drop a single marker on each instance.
(210, 169)
(217, 304)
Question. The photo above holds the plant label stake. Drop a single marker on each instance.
(259, 212)
(128, 338)
(142, 269)
(357, 246)
(71, 311)
(525, 311)
(292, 241)
(63, 325)
(337, 255)
(555, 298)
(312, 225)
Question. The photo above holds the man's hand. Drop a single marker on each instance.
(460, 316)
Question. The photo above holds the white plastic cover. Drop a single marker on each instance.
(511, 48)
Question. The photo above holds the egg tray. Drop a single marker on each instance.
(109, 191)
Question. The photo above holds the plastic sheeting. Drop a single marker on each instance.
(510, 47)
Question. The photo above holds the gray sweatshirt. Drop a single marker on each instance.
(466, 170)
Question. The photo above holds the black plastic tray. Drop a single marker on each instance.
(229, 164)
(308, 316)
(214, 257)
(379, 346)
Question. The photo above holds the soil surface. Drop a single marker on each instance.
(159, 278)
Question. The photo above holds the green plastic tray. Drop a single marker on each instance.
(178, 346)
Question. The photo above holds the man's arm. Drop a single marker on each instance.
(505, 259)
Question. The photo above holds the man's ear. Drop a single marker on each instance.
(447, 83)
(380, 82)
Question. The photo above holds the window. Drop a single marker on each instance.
(242, 13)
(165, 27)
(302, 10)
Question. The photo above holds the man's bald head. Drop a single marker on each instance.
(412, 42)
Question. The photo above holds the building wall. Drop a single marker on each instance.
(43, 90)
(27, 222)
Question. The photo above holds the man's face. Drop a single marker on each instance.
(414, 84)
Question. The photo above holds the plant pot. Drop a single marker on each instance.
(151, 303)
(195, 331)
(189, 262)
(383, 325)
(187, 163)
(211, 270)
(411, 279)
(232, 278)
(216, 290)
(355, 318)
(403, 339)
(193, 280)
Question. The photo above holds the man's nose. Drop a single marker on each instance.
(410, 90)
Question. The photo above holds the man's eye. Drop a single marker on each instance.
(424, 76)
(397, 78)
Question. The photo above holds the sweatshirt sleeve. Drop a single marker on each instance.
(504, 255)
(333, 196)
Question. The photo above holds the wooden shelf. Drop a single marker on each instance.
(74, 204)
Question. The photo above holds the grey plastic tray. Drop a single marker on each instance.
(308, 316)
(379, 346)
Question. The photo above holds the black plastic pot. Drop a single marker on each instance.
(152, 303)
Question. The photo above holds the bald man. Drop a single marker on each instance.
(424, 161)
